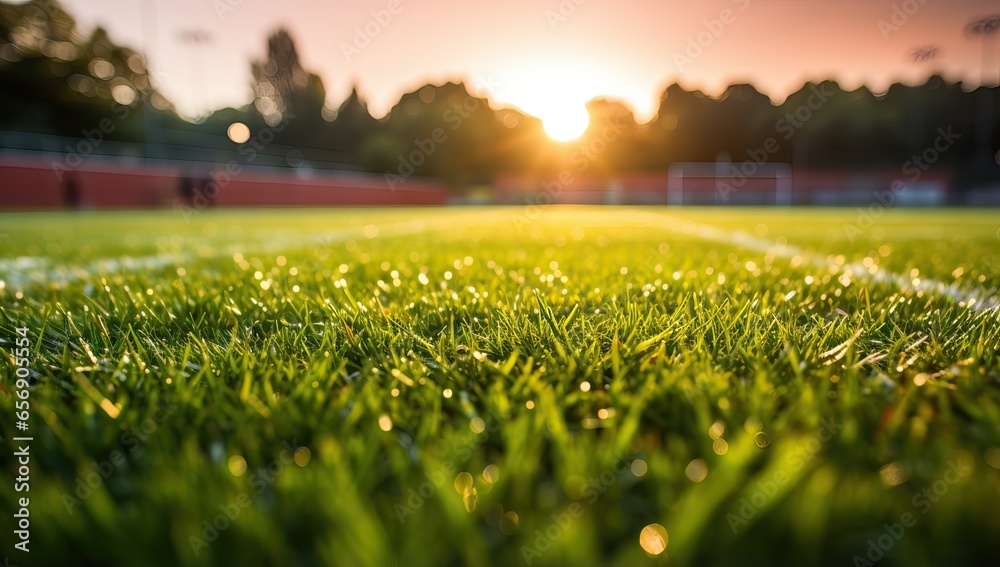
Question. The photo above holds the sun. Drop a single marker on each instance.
(556, 92)
(565, 122)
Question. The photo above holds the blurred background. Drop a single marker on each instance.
(200, 103)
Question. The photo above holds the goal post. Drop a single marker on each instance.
(728, 183)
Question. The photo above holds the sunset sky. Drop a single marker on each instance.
(537, 54)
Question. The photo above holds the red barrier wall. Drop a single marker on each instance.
(807, 187)
(28, 187)
(35, 184)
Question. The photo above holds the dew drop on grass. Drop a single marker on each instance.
(491, 473)
(471, 499)
(463, 483)
(639, 467)
(653, 539)
(696, 471)
(508, 523)
(720, 446)
(237, 465)
(302, 456)
(717, 429)
(385, 422)
(761, 440)
(992, 457)
(892, 474)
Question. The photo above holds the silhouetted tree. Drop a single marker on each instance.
(280, 82)
(352, 126)
(55, 80)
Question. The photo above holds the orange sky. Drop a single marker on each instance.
(537, 52)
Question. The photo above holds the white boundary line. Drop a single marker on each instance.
(26, 269)
(22, 270)
(971, 296)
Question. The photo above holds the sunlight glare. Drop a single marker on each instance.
(565, 122)
(556, 92)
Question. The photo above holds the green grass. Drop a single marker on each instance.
(589, 357)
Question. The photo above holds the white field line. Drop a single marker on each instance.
(969, 295)
(22, 270)
(17, 272)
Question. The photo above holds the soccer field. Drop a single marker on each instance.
(502, 386)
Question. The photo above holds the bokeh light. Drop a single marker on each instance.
(696, 471)
(385, 422)
(238, 132)
(237, 465)
(653, 539)
(302, 456)
(639, 467)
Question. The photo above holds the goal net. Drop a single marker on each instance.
(729, 183)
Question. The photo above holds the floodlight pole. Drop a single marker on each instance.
(675, 185)
(150, 137)
(920, 55)
(986, 28)
(196, 38)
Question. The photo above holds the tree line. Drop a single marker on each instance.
(57, 82)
